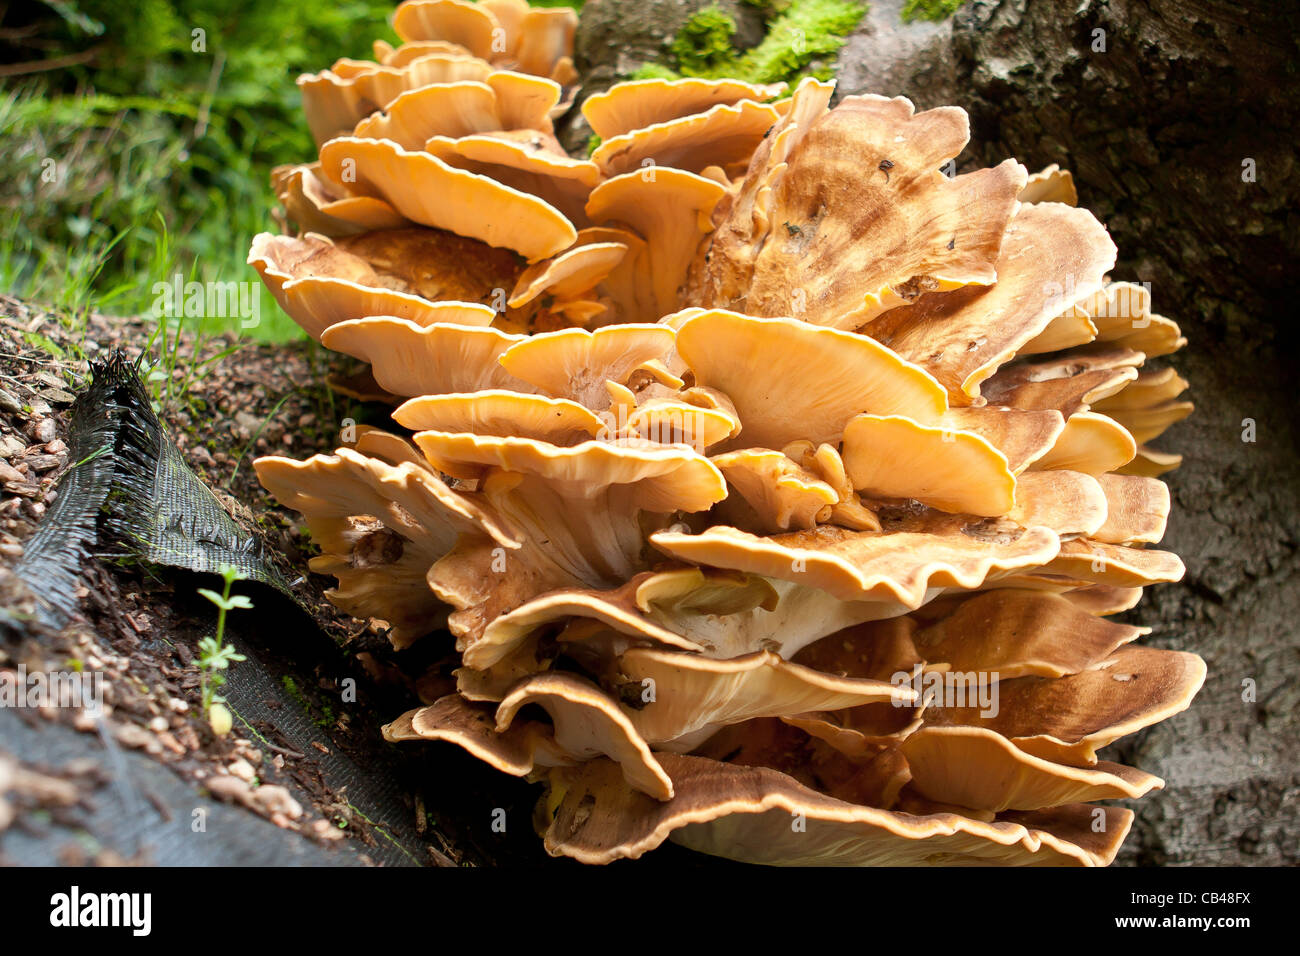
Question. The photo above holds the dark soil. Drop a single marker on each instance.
(318, 765)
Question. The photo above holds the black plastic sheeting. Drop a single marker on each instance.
(130, 492)
(130, 487)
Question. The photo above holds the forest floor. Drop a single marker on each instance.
(224, 403)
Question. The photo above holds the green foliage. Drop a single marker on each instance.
(802, 38)
(214, 656)
(934, 10)
(164, 128)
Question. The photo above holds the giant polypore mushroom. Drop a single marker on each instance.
(757, 467)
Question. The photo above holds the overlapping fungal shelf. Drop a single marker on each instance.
(779, 490)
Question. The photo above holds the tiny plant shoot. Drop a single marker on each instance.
(215, 657)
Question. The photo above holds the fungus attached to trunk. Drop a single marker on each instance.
(755, 466)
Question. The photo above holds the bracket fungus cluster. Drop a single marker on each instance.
(777, 488)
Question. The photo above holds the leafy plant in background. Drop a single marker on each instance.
(152, 125)
(215, 657)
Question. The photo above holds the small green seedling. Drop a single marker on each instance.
(215, 657)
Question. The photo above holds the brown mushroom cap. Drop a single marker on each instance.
(524, 101)
(667, 478)
(1067, 384)
(977, 768)
(570, 274)
(583, 510)
(719, 614)
(588, 722)
(440, 109)
(1052, 257)
(546, 43)
(335, 100)
(890, 456)
(1069, 719)
(1147, 406)
(672, 420)
(409, 359)
(723, 275)
(501, 101)
(824, 264)
(321, 282)
(1137, 510)
(991, 637)
(638, 104)
(576, 364)
(849, 510)
(585, 724)
(692, 695)
(466, 24)
(671, 210)
(814, 379)
(1012, 633)
(503, 413)
(744, 813)
(614, 610)
(780, 494)
(1069, 502)
(455, 720)
(426, 190)
(721, 136)
(1123, 317)
(1050, 184)
(1090, 443)
(319, 206)
(678, 698)
(1150, 463)
(898, 566)
(385, 53)
(1115, 565)
(379, 526)
(1103, 599)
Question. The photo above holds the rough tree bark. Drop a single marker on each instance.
(1156, 115)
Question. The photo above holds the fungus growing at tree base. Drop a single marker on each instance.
(775, 487)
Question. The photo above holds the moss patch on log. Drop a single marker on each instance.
(932, 10)
(802, 39)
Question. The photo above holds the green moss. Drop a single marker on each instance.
(934, 10)
(703, 44)
(654, 71)
(808, 30)
(291, 687)
(800, 33)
